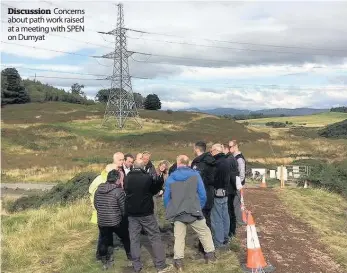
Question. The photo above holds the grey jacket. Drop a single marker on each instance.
(186, 196)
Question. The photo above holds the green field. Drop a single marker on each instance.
(317, 120)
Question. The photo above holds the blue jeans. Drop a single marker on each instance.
(220, 221)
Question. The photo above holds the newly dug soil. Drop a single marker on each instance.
(287, 243)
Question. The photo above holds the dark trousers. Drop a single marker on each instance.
(106, 239)
(98, 246)
(232, 215)
(207, 210)
(150, 225)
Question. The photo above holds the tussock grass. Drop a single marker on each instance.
(52, 174)
(48, 239)
(61, 239)
(326, 212)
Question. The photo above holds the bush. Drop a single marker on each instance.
(61, 194)
(169, 111)
(336, 130)
(332, 177)
(275, 124)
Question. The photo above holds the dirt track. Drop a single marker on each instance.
(287, 243)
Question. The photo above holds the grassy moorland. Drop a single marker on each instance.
(50, 142)
(53, 141)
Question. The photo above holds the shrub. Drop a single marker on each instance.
(328, 176)
(169, 111)
(61, 194)
(275, 124)
(336, 130)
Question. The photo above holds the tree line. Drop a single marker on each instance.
(14, 90)
(342, 109)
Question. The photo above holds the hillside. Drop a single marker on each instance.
(265, 112)
(316, 120)
(61, 139)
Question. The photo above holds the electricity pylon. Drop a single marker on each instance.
(121, 103)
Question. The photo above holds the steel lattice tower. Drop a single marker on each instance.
(121, 103)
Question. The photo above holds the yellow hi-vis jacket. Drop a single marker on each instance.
(92, 189)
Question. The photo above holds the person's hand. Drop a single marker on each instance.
(160, 193)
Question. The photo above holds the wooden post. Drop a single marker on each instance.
(282, 176)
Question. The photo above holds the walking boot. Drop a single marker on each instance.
(178, 264)
(210, 258)
(104, 263)
(165, 269)
(109, 257)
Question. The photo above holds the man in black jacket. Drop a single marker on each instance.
(109, 202)
(140, 187)
(149, 167)
(205, 164)
(233, 200)
(220, 220)
(173, 168)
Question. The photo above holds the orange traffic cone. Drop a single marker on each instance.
(255, 258)
(263, 182)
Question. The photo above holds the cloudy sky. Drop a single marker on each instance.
(245, 55)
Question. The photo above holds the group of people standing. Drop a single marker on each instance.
(203, 193)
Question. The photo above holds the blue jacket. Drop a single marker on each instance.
(180, 175)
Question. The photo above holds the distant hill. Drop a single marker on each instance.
(265, 112)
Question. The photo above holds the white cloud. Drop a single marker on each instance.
(293, 25)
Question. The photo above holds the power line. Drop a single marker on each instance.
(159, 79)
(244, 85)
(229, 48)
(52, 77)
(147, 54)
(55, 71)
(52, 50)
(235, 42)
(69, 72)
(208, 46)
